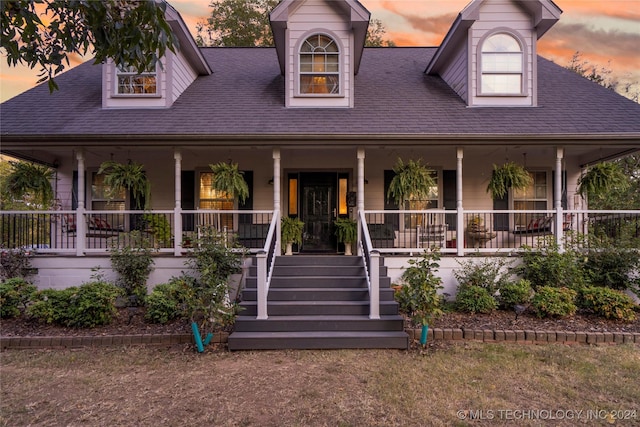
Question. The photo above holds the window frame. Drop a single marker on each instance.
(119, 72)
(481, 73)
(299, 63)
(522, 220)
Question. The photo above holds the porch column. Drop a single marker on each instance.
(177, 210)
(459, 208)
(557, 193)
(81, 229)
(276, 197)
(360, 197)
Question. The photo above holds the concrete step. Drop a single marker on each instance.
(319, 323)
(313, 308)
(317, 340)
(317, 294)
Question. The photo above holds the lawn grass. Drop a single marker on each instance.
(490, 382)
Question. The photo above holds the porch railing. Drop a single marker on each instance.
(371, 259)
(265, 262)
(83, 232)
(392, 231)
(491, 231)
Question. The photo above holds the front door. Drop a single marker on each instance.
(318, 200)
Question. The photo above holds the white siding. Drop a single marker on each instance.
(174, 77)
(182, 75)
(456, 73)
(503, 14)
(318, 16)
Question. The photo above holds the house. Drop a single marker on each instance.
(316, 124)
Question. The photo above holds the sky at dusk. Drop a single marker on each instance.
(607, 33)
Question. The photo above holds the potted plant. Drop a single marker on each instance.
(30, 179)
(509, 175)
(229, 180)
(126, 176)
(413, 181)
(291, 229)
(602, 178)
(346, 232)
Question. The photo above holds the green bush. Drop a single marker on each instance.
(607, 303)
(214, 260)
(547, 266)
(133, 263)
(475, 299)
(550, 301)
(15, 263)
(89, 305)
(514, 293)
(14, 295)
(490, 274)
(171, 300)
(615, 268)
(418, 296)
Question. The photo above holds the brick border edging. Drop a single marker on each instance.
(434, 334)
(23, 343)
(526, 336)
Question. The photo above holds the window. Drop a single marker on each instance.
(319, 66)
(130, 82)
(215, 200)
(502, 65)
(532, 198)
(413, 220)
(103, 199)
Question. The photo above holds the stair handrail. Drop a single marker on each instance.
(371, 258)
(266, 260)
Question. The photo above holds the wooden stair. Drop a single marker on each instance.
(318, 302)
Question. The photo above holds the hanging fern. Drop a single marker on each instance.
(129, 176)
(29, 179)
(413, 181)
(602, 178)
(228, 179)
(509, 175)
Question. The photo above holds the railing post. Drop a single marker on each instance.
(261, 259)
(559, 231)
(177, 231)
(81, 229)
(374, 276)
(460, 230)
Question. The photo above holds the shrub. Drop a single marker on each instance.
(89, 305)
(608, 303)
(418, 296)
(14, 295)
(133, 263)
(475, 299)
(14, 263)
(615, 268)
(547, 266)
(214, 261)
(515, 293)
(490, 274)
(171, 300)
(554, 302)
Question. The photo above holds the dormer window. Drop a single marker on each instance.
(131, 82)
(319, 66)
(502, 67)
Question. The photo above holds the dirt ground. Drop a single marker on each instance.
(444, 385)
(132, 322)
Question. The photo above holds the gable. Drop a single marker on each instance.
(459, 59)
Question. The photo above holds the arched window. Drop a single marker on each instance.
(319, 66)
(502, 68)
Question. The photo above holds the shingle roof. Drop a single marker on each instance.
(394, 98)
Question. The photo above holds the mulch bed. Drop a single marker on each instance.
(131, 322)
